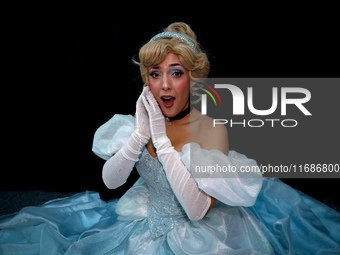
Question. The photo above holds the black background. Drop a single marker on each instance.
(70, 70)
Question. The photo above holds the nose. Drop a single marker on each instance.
(166, 84)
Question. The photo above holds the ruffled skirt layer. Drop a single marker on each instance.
(283, 221)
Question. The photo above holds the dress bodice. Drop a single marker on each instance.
(165, 211)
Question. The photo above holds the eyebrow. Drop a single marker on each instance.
(173, 64)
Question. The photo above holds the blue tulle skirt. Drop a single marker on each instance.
(282, 221)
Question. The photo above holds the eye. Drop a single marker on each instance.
(154, 74)
(177, 73)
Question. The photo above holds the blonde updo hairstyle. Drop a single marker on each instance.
(154, 52)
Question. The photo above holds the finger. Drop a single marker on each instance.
(146, 103)
(145, 90)
(152, 101)
(139, 101)
(141, 108)
(151, 98)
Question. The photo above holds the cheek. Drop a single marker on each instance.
(183, 86)
(153, 87)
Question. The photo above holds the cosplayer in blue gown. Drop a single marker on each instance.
(148, 219)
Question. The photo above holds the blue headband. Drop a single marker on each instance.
(168, 35)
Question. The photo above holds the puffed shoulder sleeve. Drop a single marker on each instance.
(112, 135)
(234, 179)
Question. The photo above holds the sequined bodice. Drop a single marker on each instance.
(164, 211)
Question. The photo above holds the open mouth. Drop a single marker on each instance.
(168, 101)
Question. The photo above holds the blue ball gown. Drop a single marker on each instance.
(148, 219)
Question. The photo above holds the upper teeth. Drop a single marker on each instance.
(167, 97)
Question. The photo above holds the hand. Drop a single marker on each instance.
(142, 119)
(195, 202)
(156, 118)
(118, 168)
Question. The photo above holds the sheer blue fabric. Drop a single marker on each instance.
(148, 219)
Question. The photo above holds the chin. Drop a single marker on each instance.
(169, 112)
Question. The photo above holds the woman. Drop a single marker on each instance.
(168, 210)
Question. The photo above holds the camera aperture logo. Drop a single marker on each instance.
(204, 97)
(300, 97)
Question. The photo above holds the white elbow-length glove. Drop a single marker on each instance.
(117, 169)
(194, 201)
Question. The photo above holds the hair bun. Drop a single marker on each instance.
(182, 28)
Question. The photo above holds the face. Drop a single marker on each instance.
(170, 84)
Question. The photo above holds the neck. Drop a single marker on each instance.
(179, 116)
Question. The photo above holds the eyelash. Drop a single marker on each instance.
(177, 73)
(154, 74)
